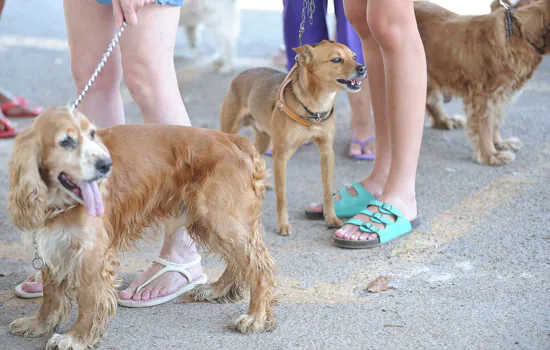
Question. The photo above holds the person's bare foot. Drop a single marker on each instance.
(165, 284)
(11, 108)
(33, 283)
(407, 205)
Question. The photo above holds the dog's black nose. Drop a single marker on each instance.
(361, 69)
(103, 165)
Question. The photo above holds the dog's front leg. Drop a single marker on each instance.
(54, 310)
(327, 176)
(281, 154)
(510, 144)
(482, 117)
(97, 303)
(440, 119)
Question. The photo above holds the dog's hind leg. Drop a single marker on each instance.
(482, 121)
(259, 269)
(261, 140)
(54, 310)
(227, 289)
(231, 114)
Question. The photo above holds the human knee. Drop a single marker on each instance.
(357, 17)
(107, 81)
(139, 76)
(390, 31)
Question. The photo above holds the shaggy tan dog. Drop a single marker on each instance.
(471, 57)
(86, 194)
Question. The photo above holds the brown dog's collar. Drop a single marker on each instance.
(509, 21)
(282, 104)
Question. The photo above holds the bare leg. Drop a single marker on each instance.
(393, 46)
(152, 81)
(362, 121)
(148, 63)
(90, 29)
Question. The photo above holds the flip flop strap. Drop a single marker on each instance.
(169, 267)
(363, 143)
(7, 125)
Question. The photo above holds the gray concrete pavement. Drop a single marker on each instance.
(474, 276)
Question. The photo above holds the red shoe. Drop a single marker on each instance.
(8, 131)
(24, 110)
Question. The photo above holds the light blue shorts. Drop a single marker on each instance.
(161, 2)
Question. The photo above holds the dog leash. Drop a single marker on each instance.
(508, 21)
(310, 7)
(100, 66)
(38, 263)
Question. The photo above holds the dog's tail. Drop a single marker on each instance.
(259, 172)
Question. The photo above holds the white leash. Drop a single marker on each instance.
(100, 65)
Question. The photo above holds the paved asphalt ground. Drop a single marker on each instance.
(476, 275)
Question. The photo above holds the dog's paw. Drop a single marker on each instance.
(207, 292)
(497, 158)
(64, 342)
(250, 324)
(29, 327)
(333, 221)
(450, 123)
(511, 144)
(284, 229)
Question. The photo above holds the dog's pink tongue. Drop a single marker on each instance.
(92, 198)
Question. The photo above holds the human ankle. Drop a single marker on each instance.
(373, 185)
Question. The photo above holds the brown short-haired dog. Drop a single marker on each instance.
(86, 194)
(474, 58)
(289, 111)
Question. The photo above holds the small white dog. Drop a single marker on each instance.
(222, 20)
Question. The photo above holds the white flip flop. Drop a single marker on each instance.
(20, 292)
(168, 267)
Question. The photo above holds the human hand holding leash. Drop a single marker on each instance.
(128, 10)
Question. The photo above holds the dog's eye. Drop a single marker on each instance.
(68, 143)
(92, 134)
(336, 60)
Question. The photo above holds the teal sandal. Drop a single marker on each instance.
(391, 230)
(348, 206)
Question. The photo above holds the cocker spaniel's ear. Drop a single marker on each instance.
(27, 202)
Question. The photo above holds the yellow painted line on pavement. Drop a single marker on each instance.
(454, 223)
